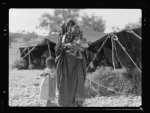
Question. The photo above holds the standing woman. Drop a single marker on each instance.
(71, 71)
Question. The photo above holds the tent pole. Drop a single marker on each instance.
(113, 62)
(29, 52)
(49, 48)
(29, 59)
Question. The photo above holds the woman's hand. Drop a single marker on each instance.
(68, 45)
(91, 65)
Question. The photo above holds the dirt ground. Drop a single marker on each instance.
(24, 91)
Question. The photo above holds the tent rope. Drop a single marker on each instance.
(131, 31)
(108, 36)
(117, 55)
(98, 84)
(116, 38)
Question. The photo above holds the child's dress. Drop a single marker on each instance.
(48, 85)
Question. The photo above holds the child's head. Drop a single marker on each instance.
(50, 62)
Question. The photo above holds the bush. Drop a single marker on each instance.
(119, 80)
(19, 64)
(136, 81)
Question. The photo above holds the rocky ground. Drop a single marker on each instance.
(24, 90)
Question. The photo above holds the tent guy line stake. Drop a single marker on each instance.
(98, 51)
(126, 52)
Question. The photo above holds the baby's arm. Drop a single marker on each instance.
(83, 44)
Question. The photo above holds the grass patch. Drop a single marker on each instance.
(121, 80)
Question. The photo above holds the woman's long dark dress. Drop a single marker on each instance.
(71, 73)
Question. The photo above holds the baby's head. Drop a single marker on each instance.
(50, 62)
(75, 30)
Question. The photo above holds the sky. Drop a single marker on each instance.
(28, 19)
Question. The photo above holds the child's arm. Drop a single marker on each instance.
(44, 73)
(52, 75)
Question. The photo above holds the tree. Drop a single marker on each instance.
(52, 22)
(94, 22)
(134, 25)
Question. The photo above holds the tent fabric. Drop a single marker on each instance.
(131, 43)
(39, 43)
(38, 55)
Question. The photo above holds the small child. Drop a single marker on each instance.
(48, 82)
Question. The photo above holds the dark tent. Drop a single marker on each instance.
(131, 43)
(128, 39)
(34, 54)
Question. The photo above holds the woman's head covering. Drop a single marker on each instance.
(66, 27)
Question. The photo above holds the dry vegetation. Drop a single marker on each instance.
(24, 88)
(24, 91)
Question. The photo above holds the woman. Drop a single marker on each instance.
(71, 72)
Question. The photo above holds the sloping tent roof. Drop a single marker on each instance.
(132, 45)
(128, 40)
(100, 40)
(33, 53)
(37, 43)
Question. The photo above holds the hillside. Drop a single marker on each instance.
(89, 34)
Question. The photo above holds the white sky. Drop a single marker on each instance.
(27, 19)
